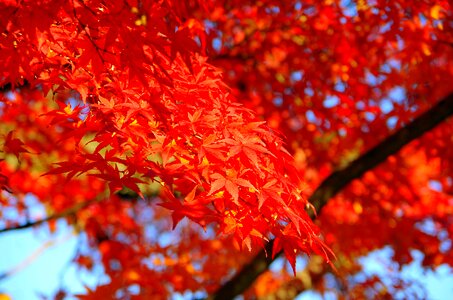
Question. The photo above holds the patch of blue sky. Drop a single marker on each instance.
(168, 238)
(50, 271)
(297, 75)
(310, 115)
(310, 295)
(360, 105)
(385, 27)
(379, 263)
(398, 94)
(309, 91)
(428, 226)
(217, 44)
(342, 132)
(435, 185)
(310, 10)
(375, 10)
(394, 63)
(197, 40)
(386, 105)
(423, 19)
(445, 241)
(369, 116)
(77, 102)
(436, 24)
(10, 95)
(190, 296)
(331, 283)
(399, 42)
(386, 68)
(331, 101)
(445, 246)
(374, 80)
(391, 122)
(340, 86)
(272, 9)
(376, 262)
(278, 264)
(34, 210)
(151, 232)
(438, 283)
(278, 101)
(209, 25)
(391, 64)
(349, 8)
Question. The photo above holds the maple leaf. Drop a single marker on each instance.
(212, 149)
(14, 145)
(251, 146)
(230, 183)
(194, 210)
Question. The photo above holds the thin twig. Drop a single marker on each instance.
(66, 213)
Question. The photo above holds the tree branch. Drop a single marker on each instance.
(336, 182)
(66, 213)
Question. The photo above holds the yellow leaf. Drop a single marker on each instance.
(358, 209)
(435, 12)
(68, 110)
(426, 50)
(131, 275)
(5, 297)
(190, 269)
(280, 78)
(362, 5)
(184, 161)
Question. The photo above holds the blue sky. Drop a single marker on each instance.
(48, 271)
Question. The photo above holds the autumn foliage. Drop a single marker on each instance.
(181, 138)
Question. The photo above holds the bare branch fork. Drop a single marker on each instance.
(336, 182)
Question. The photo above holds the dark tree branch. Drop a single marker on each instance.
(391, 145)
(66, 213)
(336, 182)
